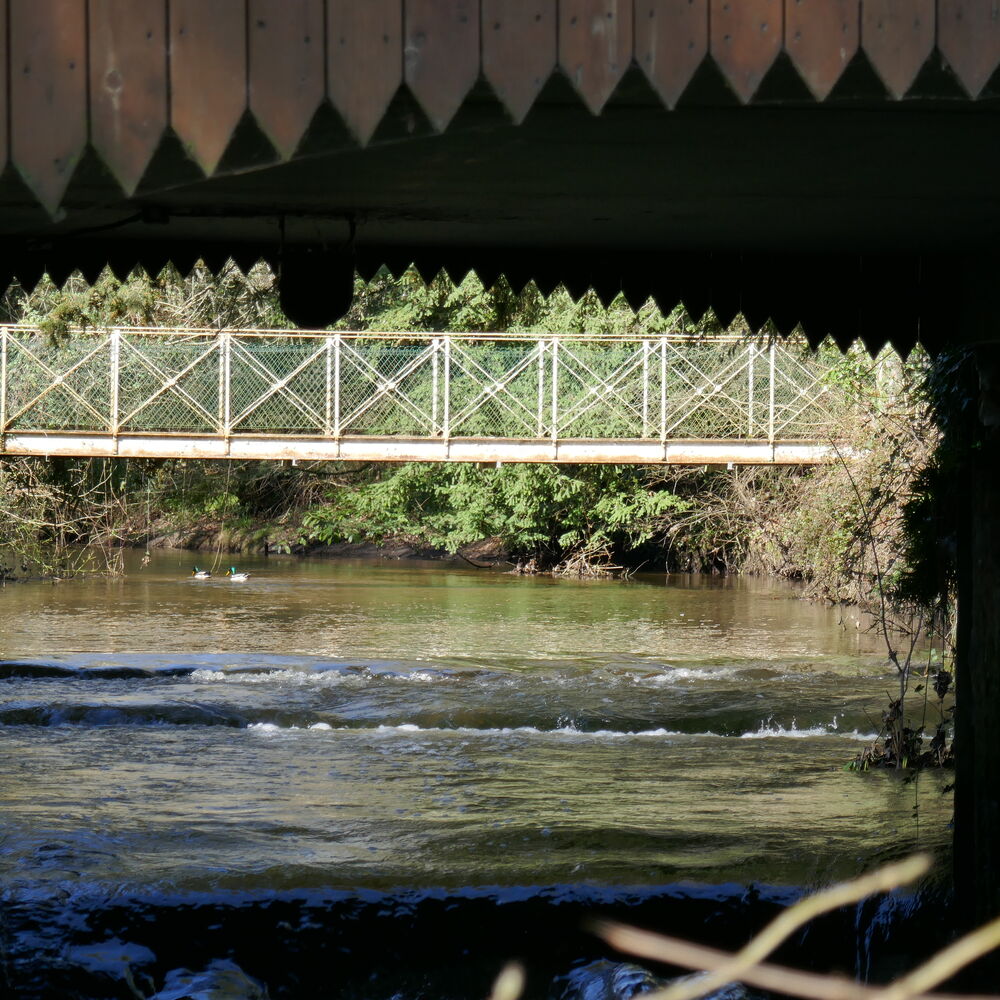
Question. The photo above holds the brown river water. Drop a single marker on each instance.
(335, 734)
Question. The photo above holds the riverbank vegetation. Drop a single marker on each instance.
(802, 525)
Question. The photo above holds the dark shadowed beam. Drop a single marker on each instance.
(973, 441)
(877, 299)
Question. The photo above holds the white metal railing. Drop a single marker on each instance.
(526, 387)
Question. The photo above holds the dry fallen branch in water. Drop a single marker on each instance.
(747, 965)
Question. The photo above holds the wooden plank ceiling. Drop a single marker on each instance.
(116, 74)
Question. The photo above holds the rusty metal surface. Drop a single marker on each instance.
(745, 40)
(128, 84)
(969, 38)
(208, 75)
(441, 54)
(897, 36)
(595, 46)
(48, 92)
(519, 50)
(671, 40)
(286, 68)
(364, 42)
(821, 37)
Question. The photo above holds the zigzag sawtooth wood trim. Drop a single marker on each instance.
(116, 51)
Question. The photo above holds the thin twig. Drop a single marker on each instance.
(780, 979)
(947, 962)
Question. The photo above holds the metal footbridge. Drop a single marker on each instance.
(271, 394)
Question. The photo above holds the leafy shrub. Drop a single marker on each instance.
(537, 511)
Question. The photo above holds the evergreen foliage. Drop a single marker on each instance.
(387, 304)
(540, 512)
(199, 299)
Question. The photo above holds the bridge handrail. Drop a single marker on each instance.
(677, 336)
(532, 387)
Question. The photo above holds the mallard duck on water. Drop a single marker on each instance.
(200, 574)
(233, 575)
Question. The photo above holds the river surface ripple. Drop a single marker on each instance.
(330, 727)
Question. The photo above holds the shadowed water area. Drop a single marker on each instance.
(394, 736)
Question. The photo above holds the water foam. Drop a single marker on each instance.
(326, 678)
(769, 729)
(672, 675)
(295, 678)
(410, 728)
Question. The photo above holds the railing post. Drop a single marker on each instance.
(4, 334)
(328, 407)
(226, 385)
(220, 408)
(645, 389)
(770, 402)
(116, 346)
(435, 347)
(446, 420)
(663, 389)
(555, 390)
(751, 350)
(336, 385)
(541, 388)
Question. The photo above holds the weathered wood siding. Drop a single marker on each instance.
(120, 76)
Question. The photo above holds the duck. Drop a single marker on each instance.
(200, 574)
(233, 575)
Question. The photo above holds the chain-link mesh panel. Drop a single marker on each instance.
(758, 368)
(498, 390)
(387, 388)
(601, 390)
(278, 387)
(170, 385)
(806, 405)
(58, 386)
(707, 390)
